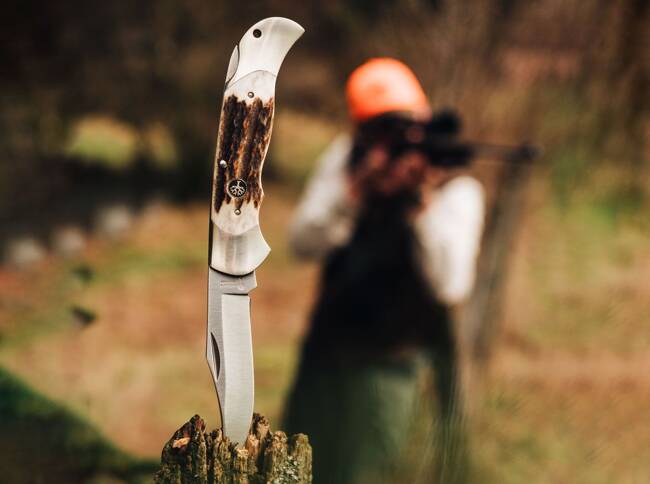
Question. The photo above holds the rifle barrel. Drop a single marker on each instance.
(513, 154)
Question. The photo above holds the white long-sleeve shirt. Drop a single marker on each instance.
(449, 228)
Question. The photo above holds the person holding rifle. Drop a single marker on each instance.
(399, 232)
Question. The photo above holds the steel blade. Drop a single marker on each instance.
(229, 350)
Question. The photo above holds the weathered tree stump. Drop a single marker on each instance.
(194, 456)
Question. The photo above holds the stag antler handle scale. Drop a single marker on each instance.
(238, 246)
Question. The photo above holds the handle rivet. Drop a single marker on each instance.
(257, 33)
(223, 164)
(237, 211)
(251, 94)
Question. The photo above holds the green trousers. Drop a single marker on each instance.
(379, 421)
(357, 417)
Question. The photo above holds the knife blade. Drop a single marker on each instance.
(236, 244)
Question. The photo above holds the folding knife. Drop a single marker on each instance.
(236, 244)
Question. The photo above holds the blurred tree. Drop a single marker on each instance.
(619, 66)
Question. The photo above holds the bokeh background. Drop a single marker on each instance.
(107, 132)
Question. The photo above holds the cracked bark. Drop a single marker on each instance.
(193, 455)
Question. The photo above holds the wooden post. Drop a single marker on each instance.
(481, 314)
(194, 456)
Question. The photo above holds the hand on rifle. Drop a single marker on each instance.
(379, 176)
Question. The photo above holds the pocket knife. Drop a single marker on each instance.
(236, 245)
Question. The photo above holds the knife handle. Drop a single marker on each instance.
(244, 136)
(238, 246)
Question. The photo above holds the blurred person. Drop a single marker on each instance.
(399, 237)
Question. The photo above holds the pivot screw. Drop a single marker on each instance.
(257, 33)
(251, 94)
(223, 164)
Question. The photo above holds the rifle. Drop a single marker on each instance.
(437, 138)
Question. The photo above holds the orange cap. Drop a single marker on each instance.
(383, 85)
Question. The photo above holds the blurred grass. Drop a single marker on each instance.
(127, 261)
(298, 140)
(60, 288)
(274, 368)
(533, 431)
(147, 343)
(105, 140)
(44, 441)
